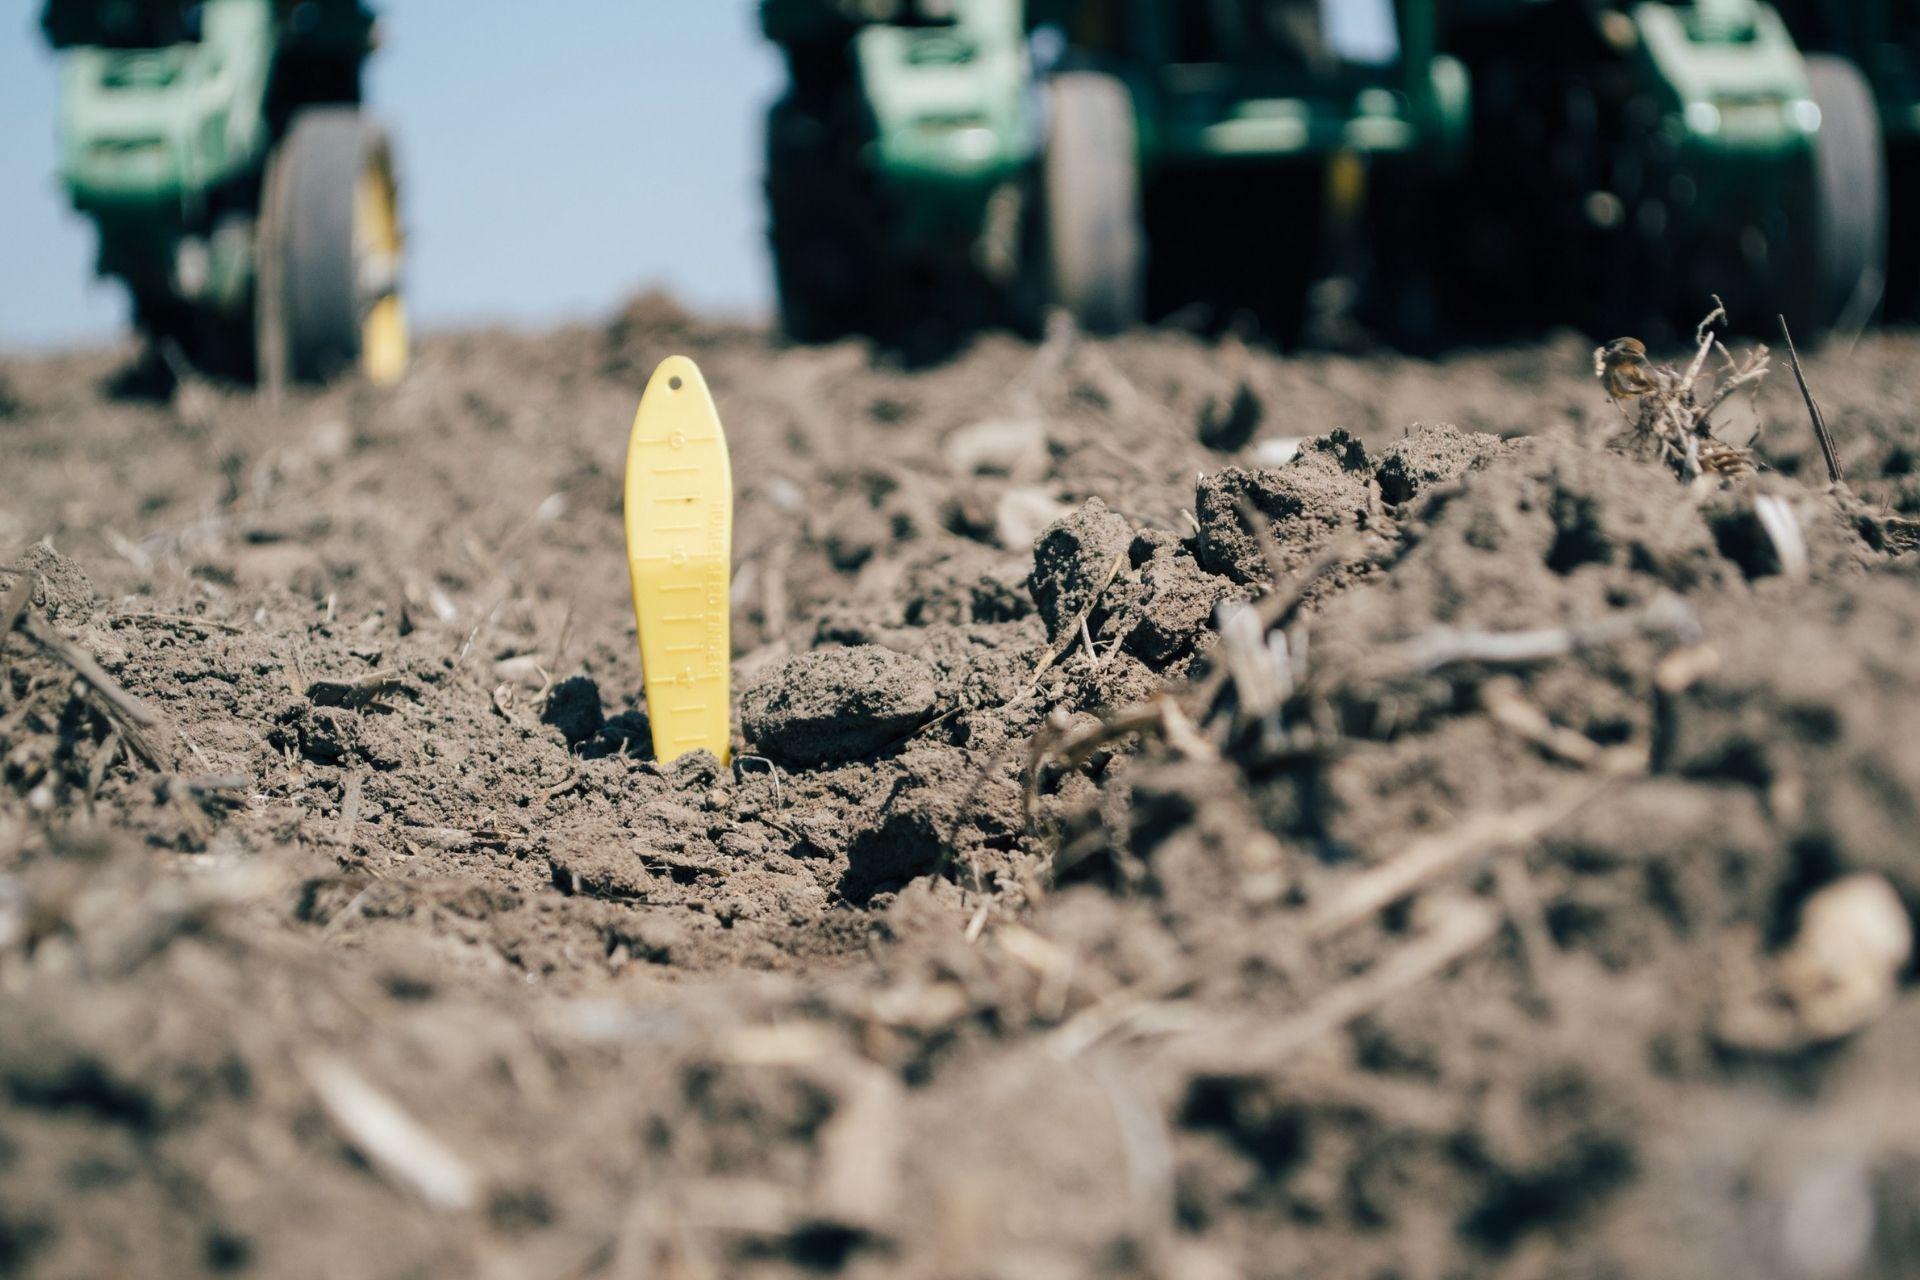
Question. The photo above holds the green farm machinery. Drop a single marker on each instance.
(936, 164)
(1881, 39)
(1658, 153)
(239, 190)
(940, 164)
(896, 165)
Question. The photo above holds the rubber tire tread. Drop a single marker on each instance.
(1095, 240)
(823, 232)
(1850, 193)
(324, 154)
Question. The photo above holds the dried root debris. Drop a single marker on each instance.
(64, 721)
(1671, 414)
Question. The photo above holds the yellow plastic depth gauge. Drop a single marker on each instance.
(680, 557)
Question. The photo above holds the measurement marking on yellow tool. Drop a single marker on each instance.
(680, 570)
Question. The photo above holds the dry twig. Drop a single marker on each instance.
(1072, 630)
(1070, 747)
(1781, 523)
(129, 715)
(13, 606)
(1820, 432)
(180, 622)
(349, 813)
(1504, 701)
(1666, 615)
(1521, 901)
(357, 691)
(1431, 857)
(1460, 927)
(392, 1141)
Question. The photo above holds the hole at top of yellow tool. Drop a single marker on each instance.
(673, 383)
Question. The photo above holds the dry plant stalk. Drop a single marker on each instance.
(355, 691)
(1672, 418)
(1820, 433)
(130, 718)
(1454, 929)
(404, 1151)
(1432, 857)
(1071, 634)
(13, 605)
(1058, 741)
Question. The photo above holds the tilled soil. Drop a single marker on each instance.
(1189, 818)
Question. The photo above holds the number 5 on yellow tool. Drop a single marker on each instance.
(680, 555)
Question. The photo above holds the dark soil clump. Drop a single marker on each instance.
(834, 705)
(1073, 562)
(1294, 510)
(1429, 456)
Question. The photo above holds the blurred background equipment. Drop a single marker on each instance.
(1650, 155)
(897, 161)
(240, 192)
(1322, 165)
(934, 164)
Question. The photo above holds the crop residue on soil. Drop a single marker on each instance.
(1454, 850)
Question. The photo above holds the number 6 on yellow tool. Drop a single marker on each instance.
(680, 557)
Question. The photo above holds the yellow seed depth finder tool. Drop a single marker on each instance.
(680, 557)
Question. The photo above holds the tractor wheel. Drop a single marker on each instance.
(824, 228)
(328, 288)
(1095, 247)
(1850, 196)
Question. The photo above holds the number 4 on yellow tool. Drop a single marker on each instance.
(679, 554)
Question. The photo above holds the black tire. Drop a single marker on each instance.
(824, 232)
(1095, 245)
(1850, 196)
(312, 294)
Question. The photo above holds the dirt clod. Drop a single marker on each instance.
(1428, 456)
(573, 707)
(1074, 560)
(1175, 610)
(65, 592)
(833, 705)
(1325, 490)
(1228, 426)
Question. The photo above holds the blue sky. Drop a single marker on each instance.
(553, 165)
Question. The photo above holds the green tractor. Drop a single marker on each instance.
(947, 163)
(897, 164)
(938, 164)
(239, 190)
(1277, 146)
